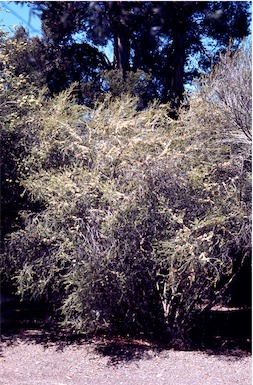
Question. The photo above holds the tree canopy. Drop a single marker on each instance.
(169, 40)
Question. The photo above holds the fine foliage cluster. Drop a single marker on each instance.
(20, 100)
(135, 221)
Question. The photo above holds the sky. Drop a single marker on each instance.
(13, 14)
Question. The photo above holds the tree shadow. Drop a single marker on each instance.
(121, 350)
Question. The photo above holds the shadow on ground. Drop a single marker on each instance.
(222, 332)
(126, 349)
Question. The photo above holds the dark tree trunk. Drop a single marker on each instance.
(121, 38)
(177, 76)
(121, 51)
(174, 81)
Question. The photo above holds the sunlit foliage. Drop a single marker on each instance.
(143, 220)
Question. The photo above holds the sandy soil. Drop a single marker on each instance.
(29, 360)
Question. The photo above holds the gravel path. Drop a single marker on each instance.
(27, 362)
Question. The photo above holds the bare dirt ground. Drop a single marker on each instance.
(34, 358)
(32, 354)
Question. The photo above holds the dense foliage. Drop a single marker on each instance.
(19, 101)
(132, 220)
(170, 41)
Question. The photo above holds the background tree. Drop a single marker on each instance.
(160, 38)
(185, 26)
(57, 65)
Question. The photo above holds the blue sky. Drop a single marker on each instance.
(12, 14)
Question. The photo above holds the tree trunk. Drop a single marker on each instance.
(121, 38)
(177, 77)
(174, 81)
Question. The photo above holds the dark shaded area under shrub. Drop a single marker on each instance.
(222, 330)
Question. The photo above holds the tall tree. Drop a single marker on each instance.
(120, 30)
(185, 27)
(99, 21)
(160, 38)
(113, 20)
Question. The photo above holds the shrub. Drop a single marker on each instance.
(19, 100)
(230, 86)
(145, 220)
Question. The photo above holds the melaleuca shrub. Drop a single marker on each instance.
(229, 86)
(68, 253)
(145, 220)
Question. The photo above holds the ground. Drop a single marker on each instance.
(34, 358)
(34, 355)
